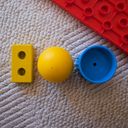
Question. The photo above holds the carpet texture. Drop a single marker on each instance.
(72, 104)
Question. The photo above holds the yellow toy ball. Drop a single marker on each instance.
(55, 64)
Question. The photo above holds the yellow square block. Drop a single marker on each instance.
(22, 63)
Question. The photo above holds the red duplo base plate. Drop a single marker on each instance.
(109, 18)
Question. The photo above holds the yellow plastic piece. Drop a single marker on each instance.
(55, 64)
(22, 63)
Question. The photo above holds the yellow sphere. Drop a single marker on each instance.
(55, 64)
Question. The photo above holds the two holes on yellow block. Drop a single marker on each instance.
(21, 55)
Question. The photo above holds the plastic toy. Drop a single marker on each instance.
(22, 63)
(97, 64)
(55, 64)
(107, 17)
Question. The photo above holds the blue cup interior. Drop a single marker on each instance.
(97, 64)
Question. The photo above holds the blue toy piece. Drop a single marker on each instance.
(97, 64)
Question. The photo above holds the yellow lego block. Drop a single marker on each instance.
(22, 63)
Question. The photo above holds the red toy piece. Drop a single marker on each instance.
(109, 18)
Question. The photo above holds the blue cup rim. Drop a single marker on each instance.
(112, 71)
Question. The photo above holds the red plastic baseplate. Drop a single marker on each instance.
(109, 18)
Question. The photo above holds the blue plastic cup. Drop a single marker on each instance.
(97, 64)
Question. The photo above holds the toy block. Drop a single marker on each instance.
(22, 63)
(109, 18)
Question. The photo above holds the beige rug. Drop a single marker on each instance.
(72, 104)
